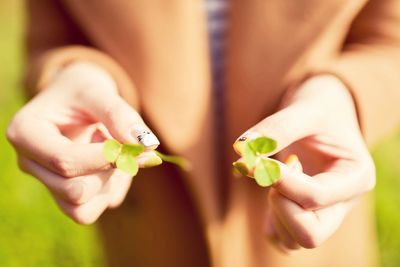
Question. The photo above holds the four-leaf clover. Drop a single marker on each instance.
(124, 156)
(265, 170)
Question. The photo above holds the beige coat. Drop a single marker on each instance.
(157, 51)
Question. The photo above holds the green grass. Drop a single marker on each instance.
(33, 232)
(387, 200)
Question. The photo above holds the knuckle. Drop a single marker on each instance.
(369, 174)
(63, 165)
(116, 203)
(292, 245)
(22, 166)
(310, 238)
(370, 183)
(81, 218)
(315, 200)
(111, 111)
(274, 196)
(12, 132)
(73, 193)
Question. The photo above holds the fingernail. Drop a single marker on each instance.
(145, 136)
(249, 135)
(241, 167)
(292, 159)
(238, 146)
(152, 161)
(293, 162)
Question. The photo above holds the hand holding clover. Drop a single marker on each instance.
(318, 122)
(59, 135)
(76, 118)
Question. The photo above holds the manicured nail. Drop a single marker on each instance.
(238, 146)
(145, 137)
(152, 161)
(249, 135)
(293, 162)
(241, 167)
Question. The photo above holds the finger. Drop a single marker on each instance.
(76, 190)
(309, 228)
(148, 159)
(284, 126)
(88, 133)
(269, 227)
(123, 122)
(121, 181)
(344, 180)
(120, 185)
(42, 142)
(292, 163)
(287, 242)
(272, 233)
(88, 212)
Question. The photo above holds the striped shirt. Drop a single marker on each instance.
(217, 11)
(217, 27)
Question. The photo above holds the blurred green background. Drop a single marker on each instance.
(33, 232)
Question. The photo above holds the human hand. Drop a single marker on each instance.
(58, 138)
(317, 122)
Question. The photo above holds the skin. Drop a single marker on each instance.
(56, 133)
(318, 122)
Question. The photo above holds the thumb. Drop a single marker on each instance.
(120, 119)
(286, 126)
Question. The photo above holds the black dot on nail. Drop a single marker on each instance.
(243, 138)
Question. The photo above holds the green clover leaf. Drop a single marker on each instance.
(266, 172)
(249, 155)
(111, 150)
(132, 149)
(262, 145)
(127, 163)
(124, 156)
(254, 148)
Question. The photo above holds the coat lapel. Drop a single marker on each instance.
(164, 47)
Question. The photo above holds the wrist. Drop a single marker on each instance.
(325, 95)
(323, 90)
(334, 94)
(82, 76)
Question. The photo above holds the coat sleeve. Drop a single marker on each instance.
(370, 67)
(53, 40)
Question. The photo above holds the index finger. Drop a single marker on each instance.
(42, 142)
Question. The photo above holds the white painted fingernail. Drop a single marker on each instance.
(145, 136)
